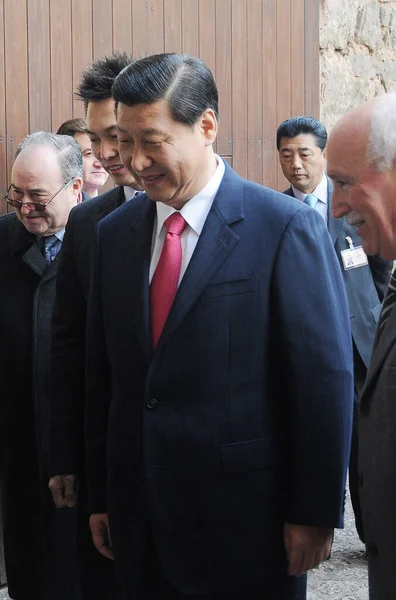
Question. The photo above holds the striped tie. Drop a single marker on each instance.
(389, 301)
(311, 200)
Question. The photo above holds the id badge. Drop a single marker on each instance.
(354, 256)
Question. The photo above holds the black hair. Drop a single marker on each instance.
(96, 81)
(181, 79)
(298, 125)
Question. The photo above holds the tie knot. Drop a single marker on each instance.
(311, 200)
(175, 223)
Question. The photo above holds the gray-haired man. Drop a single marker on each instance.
(46, 182)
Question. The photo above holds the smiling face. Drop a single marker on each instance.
(302, 161)
(366, 197)
(102, 132)
(37, 174)
(171, 160)
(94, 174)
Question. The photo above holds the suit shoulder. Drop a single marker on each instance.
(6, 222)
(7, 225)
(128, 212)
(267, 200)
(93, 207)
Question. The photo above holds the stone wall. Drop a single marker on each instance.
(358, 53)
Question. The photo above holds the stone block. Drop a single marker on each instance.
(338, 23)
(388, 70)
(363, 65)
(368, 27)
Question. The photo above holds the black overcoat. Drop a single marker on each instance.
(38, 539)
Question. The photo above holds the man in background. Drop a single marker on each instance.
(301, 142)
(94, 174)
(362, 165)
(39, 541)
(218, 406)
(68, 345)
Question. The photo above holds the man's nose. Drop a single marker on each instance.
(108, 150)
(296, 162)
(140, 160)
(27, 207)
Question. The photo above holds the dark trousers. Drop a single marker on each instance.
(96, 573)
(353, 472)
(154, 586)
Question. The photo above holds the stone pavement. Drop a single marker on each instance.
(343, 577)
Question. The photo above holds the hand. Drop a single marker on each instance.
(306, 546)
(64, 490)
(100, 530)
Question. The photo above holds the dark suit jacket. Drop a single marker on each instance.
(377, 460)
(38, 539)
(68, 332)
(365, 286)
(240, 419)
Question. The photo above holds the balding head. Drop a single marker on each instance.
(46, 181)
(361, 158)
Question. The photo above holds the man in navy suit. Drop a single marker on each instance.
(68, 325)
(301, 143)
(219, 406)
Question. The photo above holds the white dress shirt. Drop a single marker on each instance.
(194, 212)
(129, 192)
(321, 193)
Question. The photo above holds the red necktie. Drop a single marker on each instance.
(166, 277)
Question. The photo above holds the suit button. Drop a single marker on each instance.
(372, 549)
(152, 403)
(360, 480)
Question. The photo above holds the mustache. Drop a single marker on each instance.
(354, 219)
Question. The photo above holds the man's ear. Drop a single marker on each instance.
(208, 126)
(77, 185)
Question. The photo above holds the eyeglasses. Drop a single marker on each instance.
(14, 198)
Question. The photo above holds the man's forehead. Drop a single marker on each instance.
(37, 162)
(299, 142)
(101, 114)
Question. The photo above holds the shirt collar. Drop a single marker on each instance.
(59, 234)
(197, 208)
(129, 192)
(320, 191)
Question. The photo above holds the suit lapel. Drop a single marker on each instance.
(334, 226)
(111, 201)
(137, 254)
(383, 344)
(21, 240)
(35, 260)
(214, 245)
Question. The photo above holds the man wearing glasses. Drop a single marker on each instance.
(46, 182)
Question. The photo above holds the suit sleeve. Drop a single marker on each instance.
(313, 343)
(98, 391)
(67, 363)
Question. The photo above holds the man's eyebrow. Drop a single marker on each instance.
(110, 128)
(338, 176)
(300, 149)
(33, 190)
(149, 131)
